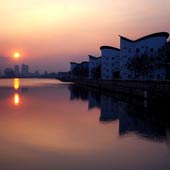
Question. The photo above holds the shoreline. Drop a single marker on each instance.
(139, 88)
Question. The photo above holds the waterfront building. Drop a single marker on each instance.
(84, 69)
(79, 70)
(94, 67)
(24, 70)
(110, 67)
(16, 70)
(149, 46)
(73, 67)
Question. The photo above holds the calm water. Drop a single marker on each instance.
(47, 125)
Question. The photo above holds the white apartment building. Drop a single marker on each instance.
(94, 62)
(79, 70)
(73, 65)
(149, 45)
(110, 65)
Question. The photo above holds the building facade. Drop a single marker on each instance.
(73, 66)
(24, 70)
(16, 70)
(94, 67)
(110, 63)
(79, 70)
(148, 46)
(84, 69)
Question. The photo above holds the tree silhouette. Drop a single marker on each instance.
(163, 59)
(140, 65)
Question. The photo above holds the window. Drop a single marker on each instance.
(137, 50)
(151, 50)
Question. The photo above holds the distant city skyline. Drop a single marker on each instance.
(49, 33)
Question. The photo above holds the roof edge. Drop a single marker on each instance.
(73, 63)
(158, 34)
(109, 47)
(93, 57)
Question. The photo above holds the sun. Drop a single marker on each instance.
(17, 54)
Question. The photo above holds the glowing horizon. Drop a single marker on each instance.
(52, 33)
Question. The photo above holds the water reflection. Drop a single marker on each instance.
(146, 126)
(79, 128)
(109, 109)
(148, 122)
(16, 99)
(84, 94)
(16, 88)
(16, 83)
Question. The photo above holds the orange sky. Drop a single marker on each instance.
(51, 33)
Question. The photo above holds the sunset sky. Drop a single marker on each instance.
(51, 33)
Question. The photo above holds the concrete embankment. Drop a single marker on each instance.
(140, 88)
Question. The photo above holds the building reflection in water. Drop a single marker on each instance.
(93, 100)
(109, 109)
(149, 123)
(77, 93)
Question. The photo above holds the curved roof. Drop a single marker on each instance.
(73, 63)
(93, 57)
(84, 62)
(158, 34)
(109, 47)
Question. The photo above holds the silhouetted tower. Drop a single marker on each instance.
(16, 70)
(24, 70)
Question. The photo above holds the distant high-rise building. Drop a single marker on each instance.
(24, 70)
(16, 70)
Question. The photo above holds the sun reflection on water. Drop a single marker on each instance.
(16, 95)
(16, 99)
(16, 83)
